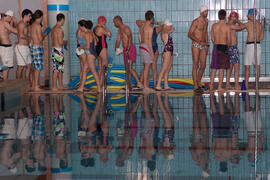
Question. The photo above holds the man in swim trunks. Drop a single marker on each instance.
(250, 46)
(125, 35)
(36, 48)
(22, 49)
(199, 36)
(7, 25)
(233, 50)
(220, 36)
(58, 43)
(146, 48)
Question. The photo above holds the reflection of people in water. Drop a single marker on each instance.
(60, 131)
(253, 126)
(234, 110)
(166, 146)
(24, 131)
(87, 139)
(38, 132)
(147, 149)
(126, 140)
(200, 147)
(221, 145)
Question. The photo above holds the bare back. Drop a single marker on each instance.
(36, 34)
(220, 33)
(23, 33)
(57, 37)
(250, 29)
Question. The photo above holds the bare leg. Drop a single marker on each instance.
(134, 74)
(91, 65)
(203, 55)
(259, 72)
(145, 76)
(19, 72)
(82, 82)
(36, 80)
(28, 71)
(236, 76)
(166, 74)
(104, 63)
(54, 81)
(220, 80)
(164, 68)
(247, 73)
(195, 58)
(82, 63)
(212, 77)
(60, 80)
(154, 68)
(5, 74)
(228, 76)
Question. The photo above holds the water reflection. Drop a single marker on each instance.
(86, 137)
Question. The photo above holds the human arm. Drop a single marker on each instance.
(105, 31)
(128, 33)
(191, 32)
(118, 41)
(212, 35)
(140, 23)
(261, 34)
(11, 28)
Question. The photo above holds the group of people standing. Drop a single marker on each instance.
(225, 54)
(29, 49)
(92, 45)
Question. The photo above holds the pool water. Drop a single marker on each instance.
(147, 136)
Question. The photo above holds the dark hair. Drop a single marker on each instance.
(26, 12)
(222, 14)
(88, 25)
(38, 14)
(88, 162)
(82, 22)
(118, 18)
(149, 15)
(29, 169)
(60, 16)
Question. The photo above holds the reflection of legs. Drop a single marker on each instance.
(195, 58)
(212, 77)
(134, 74)
(203, 55)
(164, 68)
(92, 66)
(154, 68)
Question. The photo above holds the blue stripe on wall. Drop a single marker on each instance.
(58, 7)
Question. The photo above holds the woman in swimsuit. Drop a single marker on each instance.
(167, 55)
(101, 31)
(91, 55)
(81, 42)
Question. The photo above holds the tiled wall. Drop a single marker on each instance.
(182, 13)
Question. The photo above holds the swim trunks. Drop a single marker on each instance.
(37, 56)
(145, 54)
(234, 55)
(58, 59)
(131, 54)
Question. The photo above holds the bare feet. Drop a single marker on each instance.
(229, 87)
(55, 89)
(158, 88)
(211, 88)
(140, 85)
(221, 89)
(168, 88)
(36, 89)
(237, 87)
(78, 90)
(147, 89)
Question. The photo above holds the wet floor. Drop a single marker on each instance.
(147, 136)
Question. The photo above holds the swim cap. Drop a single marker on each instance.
(168, 22)
(203, 8)
(101, 19)
(234, 14)
(251, 12)
(9, 13)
